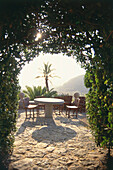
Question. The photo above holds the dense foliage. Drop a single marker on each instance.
(77, 28)
(8, 102)
(34, 92)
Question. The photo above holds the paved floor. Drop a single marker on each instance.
(54, 144)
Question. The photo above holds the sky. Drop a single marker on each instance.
(65, 68)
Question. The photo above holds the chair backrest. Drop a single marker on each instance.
(25, 102)
(76, 102)
(82, 101)
(67, 99)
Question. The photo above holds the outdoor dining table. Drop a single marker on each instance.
(49, 102)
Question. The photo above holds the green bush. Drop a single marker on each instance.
(99, 105)
(8, 103)
(33, 92)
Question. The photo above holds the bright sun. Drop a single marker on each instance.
(38, 36)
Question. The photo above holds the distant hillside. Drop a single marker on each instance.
(73, 85)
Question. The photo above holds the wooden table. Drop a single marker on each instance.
(49, 102)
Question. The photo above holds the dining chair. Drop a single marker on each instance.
(58, 107)
(41, 106)
(67, 100)
(82, 104)
(73, 107)
(31, 108)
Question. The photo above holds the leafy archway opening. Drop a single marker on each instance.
(76, 28)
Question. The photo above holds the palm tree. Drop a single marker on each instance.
(51, 93)
(34, 92)
(46, 73)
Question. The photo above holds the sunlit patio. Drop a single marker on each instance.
(54, 143)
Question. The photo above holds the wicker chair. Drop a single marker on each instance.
(58, 107)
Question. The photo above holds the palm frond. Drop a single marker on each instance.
(32, 93)
(29, 92)
(44, 90)
(51, 93)
(39, 77)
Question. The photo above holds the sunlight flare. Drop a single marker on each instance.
(38, 36)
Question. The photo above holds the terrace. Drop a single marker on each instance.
(54, 143)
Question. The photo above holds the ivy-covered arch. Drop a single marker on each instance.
(75, 28)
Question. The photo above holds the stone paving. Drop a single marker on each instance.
(54, 144)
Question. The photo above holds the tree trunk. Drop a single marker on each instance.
(109, 152)
(47, 86)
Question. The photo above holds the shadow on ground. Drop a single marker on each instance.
(30, 122)
(107, 163)
(47, 130)
(53, 134)
(71, 121)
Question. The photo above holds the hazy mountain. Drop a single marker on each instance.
(73, 85)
